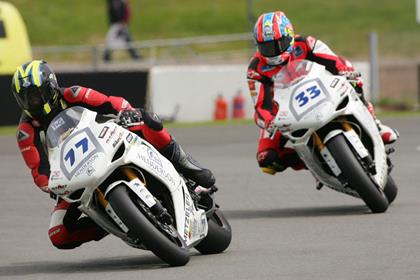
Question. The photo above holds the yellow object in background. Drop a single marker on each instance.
(15, 48)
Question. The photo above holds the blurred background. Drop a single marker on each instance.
(191, 52)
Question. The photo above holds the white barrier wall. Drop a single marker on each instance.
(195, 89)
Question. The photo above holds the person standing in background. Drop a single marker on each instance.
(119, 15)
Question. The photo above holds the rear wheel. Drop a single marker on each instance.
(163, 240)
(356, 176)
(218, 237)
(391, 189)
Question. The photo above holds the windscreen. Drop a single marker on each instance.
(292, 73)
(62, 125)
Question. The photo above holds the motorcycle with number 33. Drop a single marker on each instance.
(327, 124)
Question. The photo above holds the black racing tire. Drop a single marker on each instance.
(356, 176)
(218, 237)
(391, 189)
(140, 226)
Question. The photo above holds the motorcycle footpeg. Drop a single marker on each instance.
(390, 150)
(319, 185)
(390, 165)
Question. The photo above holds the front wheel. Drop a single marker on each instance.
(218, 236)
(164, 242)
(356, 176)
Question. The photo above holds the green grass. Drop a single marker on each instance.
(7, 130)
(343, 24)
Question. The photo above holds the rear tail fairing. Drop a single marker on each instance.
(320, 102)
(94, 151)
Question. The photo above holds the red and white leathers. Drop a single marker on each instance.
(67, 230)
(272, 156)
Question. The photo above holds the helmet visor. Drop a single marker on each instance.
(274, 48)
(37, 101)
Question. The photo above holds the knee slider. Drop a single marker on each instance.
(269, 160)
(67, 246)
(152, 120)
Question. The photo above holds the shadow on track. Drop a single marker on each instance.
(297, 212)
(126, 263)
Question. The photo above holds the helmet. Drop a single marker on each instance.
(274, 36)
(35, 88)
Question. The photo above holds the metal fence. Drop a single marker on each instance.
(153, 51)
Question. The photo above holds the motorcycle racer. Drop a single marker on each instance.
(35, 87)
(277, 44)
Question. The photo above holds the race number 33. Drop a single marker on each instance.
(306, 97)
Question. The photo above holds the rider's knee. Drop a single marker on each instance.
(59, 238)
(269, 161)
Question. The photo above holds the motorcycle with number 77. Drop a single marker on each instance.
(333, 133)
(130, 190)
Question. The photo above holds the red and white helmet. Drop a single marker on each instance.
(274, 35)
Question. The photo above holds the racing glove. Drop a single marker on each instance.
(270, 127)
(129, 118)
(355, 79)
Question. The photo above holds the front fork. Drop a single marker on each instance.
(354, 140)
(156, 208)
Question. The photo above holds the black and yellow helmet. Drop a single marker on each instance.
(35, 88)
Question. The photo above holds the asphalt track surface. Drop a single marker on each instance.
(282, 227)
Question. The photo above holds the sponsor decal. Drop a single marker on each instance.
(251, 85)
(283, 113)
(285, 127)
(111, 133)
(27, 148)
(75, 91)
(90, 171)
(266, 68)
(260, 123)
(311, 42)
(88, 93)
(22, 135)
(84, 168)
(55, 175)
(52, 76)
(60, 189)
(129, 137)
(154, 156)
(268, 32)
(124, 104)
(57, 123)
(188, 211)
(334, 83)
(298, 51)
(155, 164)
(118, 139)
(103, 132)
(203, 224)
(252, 74)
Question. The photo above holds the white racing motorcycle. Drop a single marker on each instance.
(130, 190)
(333, 133)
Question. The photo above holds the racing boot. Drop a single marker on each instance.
(389, 135)
(189, 167)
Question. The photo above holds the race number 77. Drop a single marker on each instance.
(71, 155)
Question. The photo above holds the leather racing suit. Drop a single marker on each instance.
(272, 156)
(67, 229)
